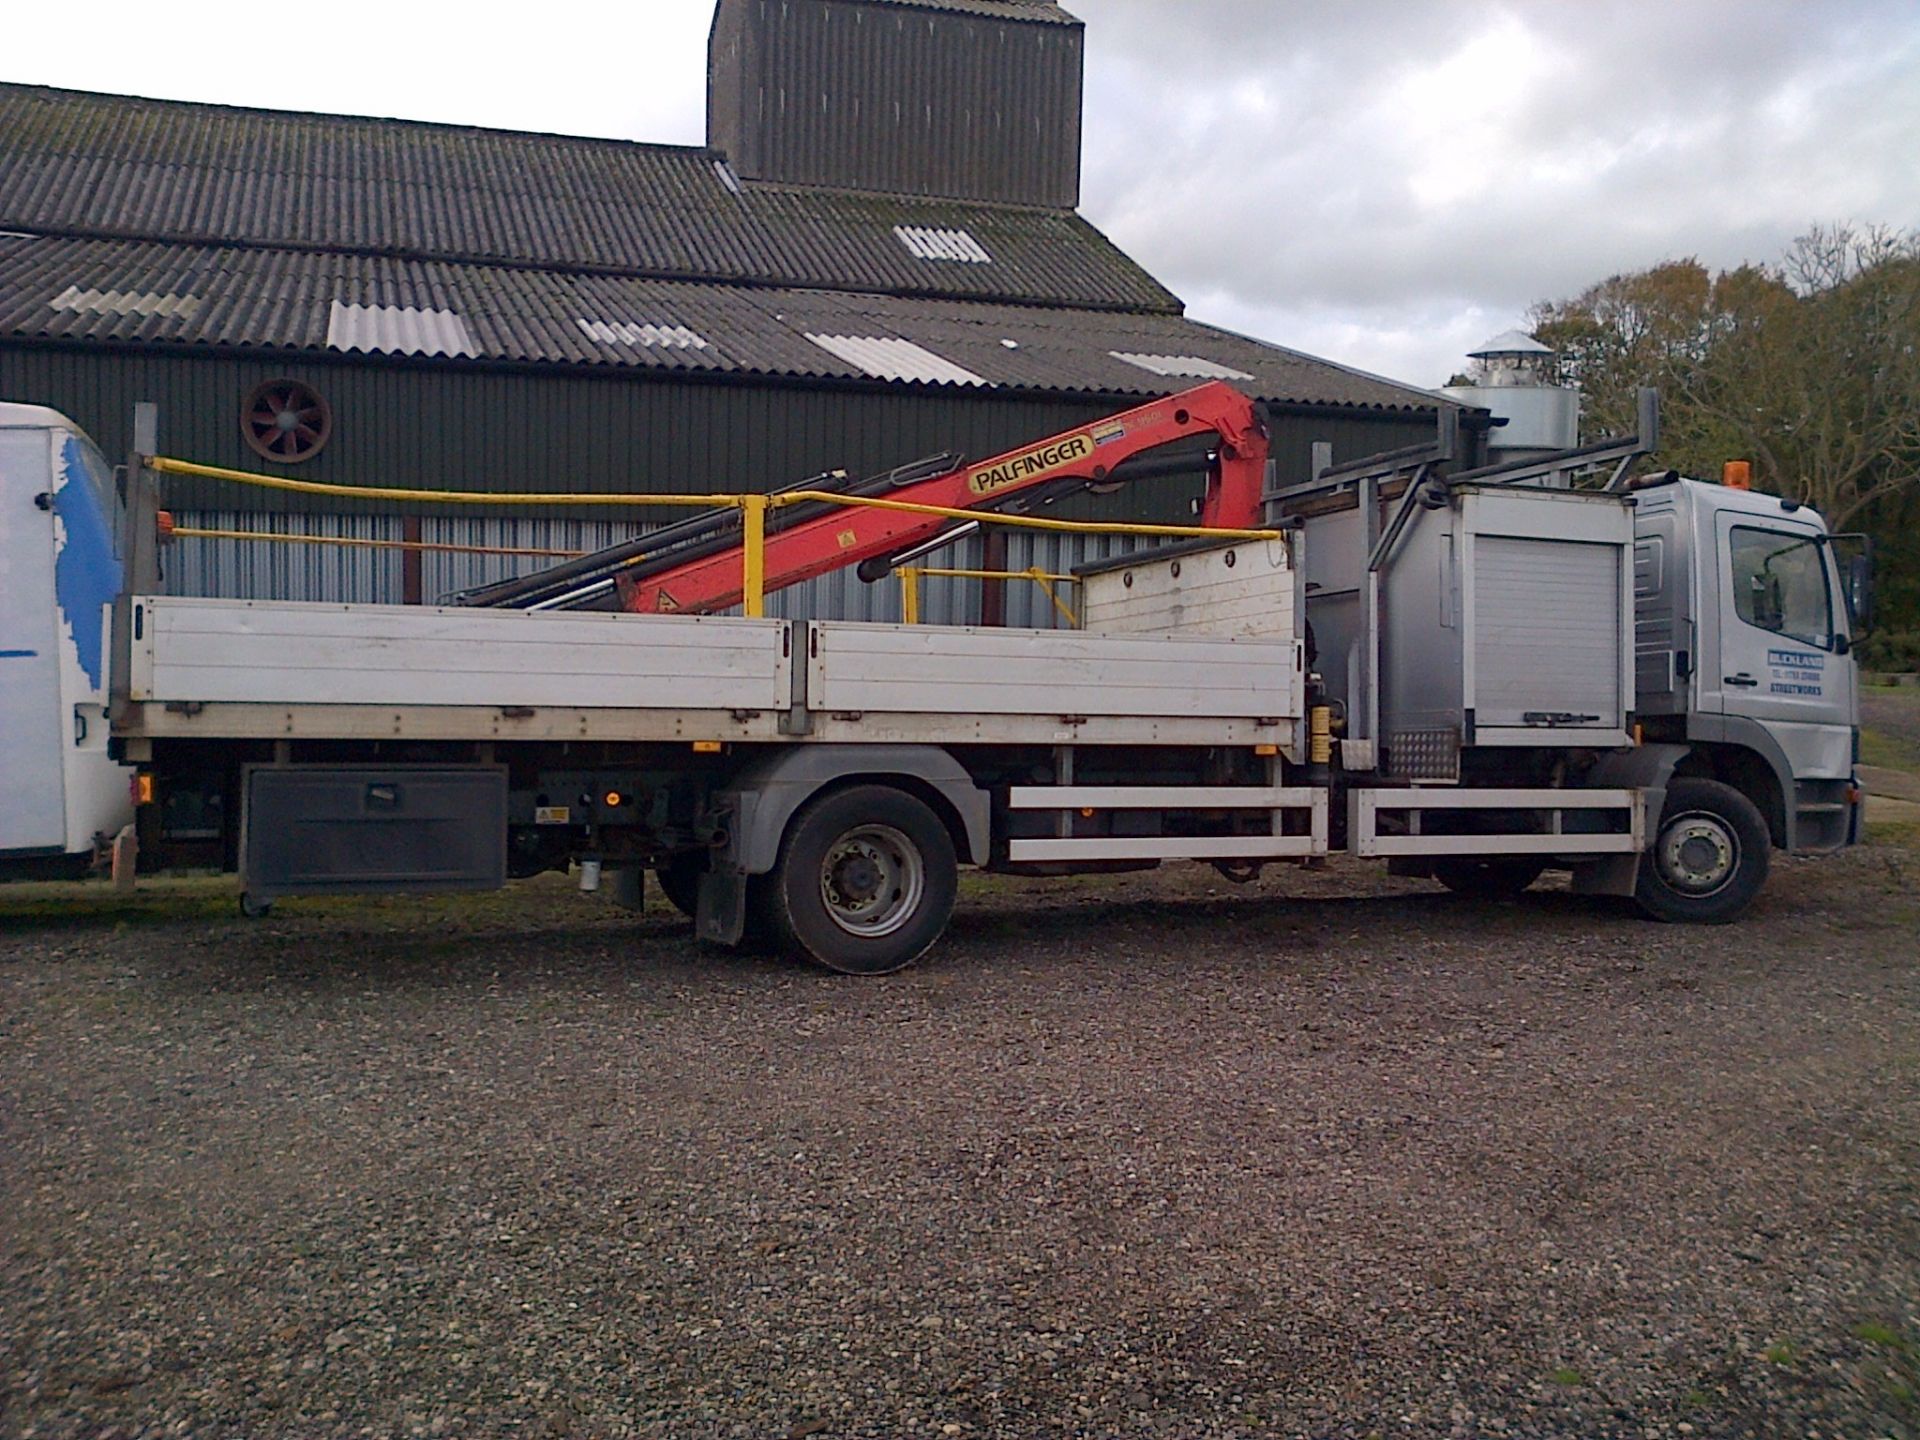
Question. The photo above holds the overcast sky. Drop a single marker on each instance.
(1383, 182)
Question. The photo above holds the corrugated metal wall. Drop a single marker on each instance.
(266, 570)
(438, 426)
(912, 101)
(257, 570)
(429, 425)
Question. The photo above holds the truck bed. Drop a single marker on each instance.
(216, 668)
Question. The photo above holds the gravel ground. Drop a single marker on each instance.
(1330, 1155)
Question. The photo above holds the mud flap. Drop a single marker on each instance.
(1646, 768)
(1609, 875)
(721, 915)
(629, 888)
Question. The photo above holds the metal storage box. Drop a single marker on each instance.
(1506, 620)
(326, 829)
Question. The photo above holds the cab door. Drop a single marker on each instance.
(1780, 660)
(32, 758)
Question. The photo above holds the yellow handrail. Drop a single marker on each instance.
(1029, 522)
(912, 575)
(753, 508)
(425, 497)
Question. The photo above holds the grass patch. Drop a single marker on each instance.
(1902, 834)
(1894, 1371)
(1889, 752)
(95, 904)
(1566, 1375)
(1781, 1352)
(177, 899)
(1885, 1336)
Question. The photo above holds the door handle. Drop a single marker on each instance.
(1744, 680)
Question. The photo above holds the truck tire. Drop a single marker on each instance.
(680, 882)
(865, 881)
(1497, 877)
(1709, 856)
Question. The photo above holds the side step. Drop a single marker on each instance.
(1365, 808)
(1278, 801)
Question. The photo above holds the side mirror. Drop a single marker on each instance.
(1855, 554)
(1860, 593)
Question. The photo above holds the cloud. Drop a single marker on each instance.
(1372, 173)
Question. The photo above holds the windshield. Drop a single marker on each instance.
(1780, 584)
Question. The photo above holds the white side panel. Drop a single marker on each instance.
(1242, 590)
(32, 736)
(285, 653)
(1364, 808)
(1167, 847)
(918, 670)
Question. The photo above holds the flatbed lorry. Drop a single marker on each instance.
(1472, 674)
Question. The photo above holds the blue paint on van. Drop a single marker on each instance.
(86, 575)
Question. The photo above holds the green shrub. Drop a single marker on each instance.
(1890, 651)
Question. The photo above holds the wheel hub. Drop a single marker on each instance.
(1698, 854)
(872, 880)
(857, 877)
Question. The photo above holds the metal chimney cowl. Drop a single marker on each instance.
(1511, 379)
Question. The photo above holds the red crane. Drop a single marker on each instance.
(695, 568)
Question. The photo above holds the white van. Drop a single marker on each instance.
(61, 795)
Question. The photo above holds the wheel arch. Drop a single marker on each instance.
(764, 798)
(1746, 757)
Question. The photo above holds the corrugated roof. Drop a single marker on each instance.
(252, 298)
(396, 330)
(73, 163)
(887, 357)
(1041, 11)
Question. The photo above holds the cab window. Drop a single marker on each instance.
(1780, 585)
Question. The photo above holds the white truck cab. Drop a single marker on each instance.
(1744, 650)
(64, 797)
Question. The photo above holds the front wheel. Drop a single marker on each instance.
(865, 881)
(1709, 857)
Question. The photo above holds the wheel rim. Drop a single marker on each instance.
(872, 880)
(1698, 854)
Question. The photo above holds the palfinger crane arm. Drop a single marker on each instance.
(695, 565)
(847, 535)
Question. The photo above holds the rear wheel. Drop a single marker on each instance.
(1495, 877)
(1709, 858)
(680, 882)
(865, 881)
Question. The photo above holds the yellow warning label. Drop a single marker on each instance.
(1031, 464)
(553, 815)
(665, 602)
(848, 539)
